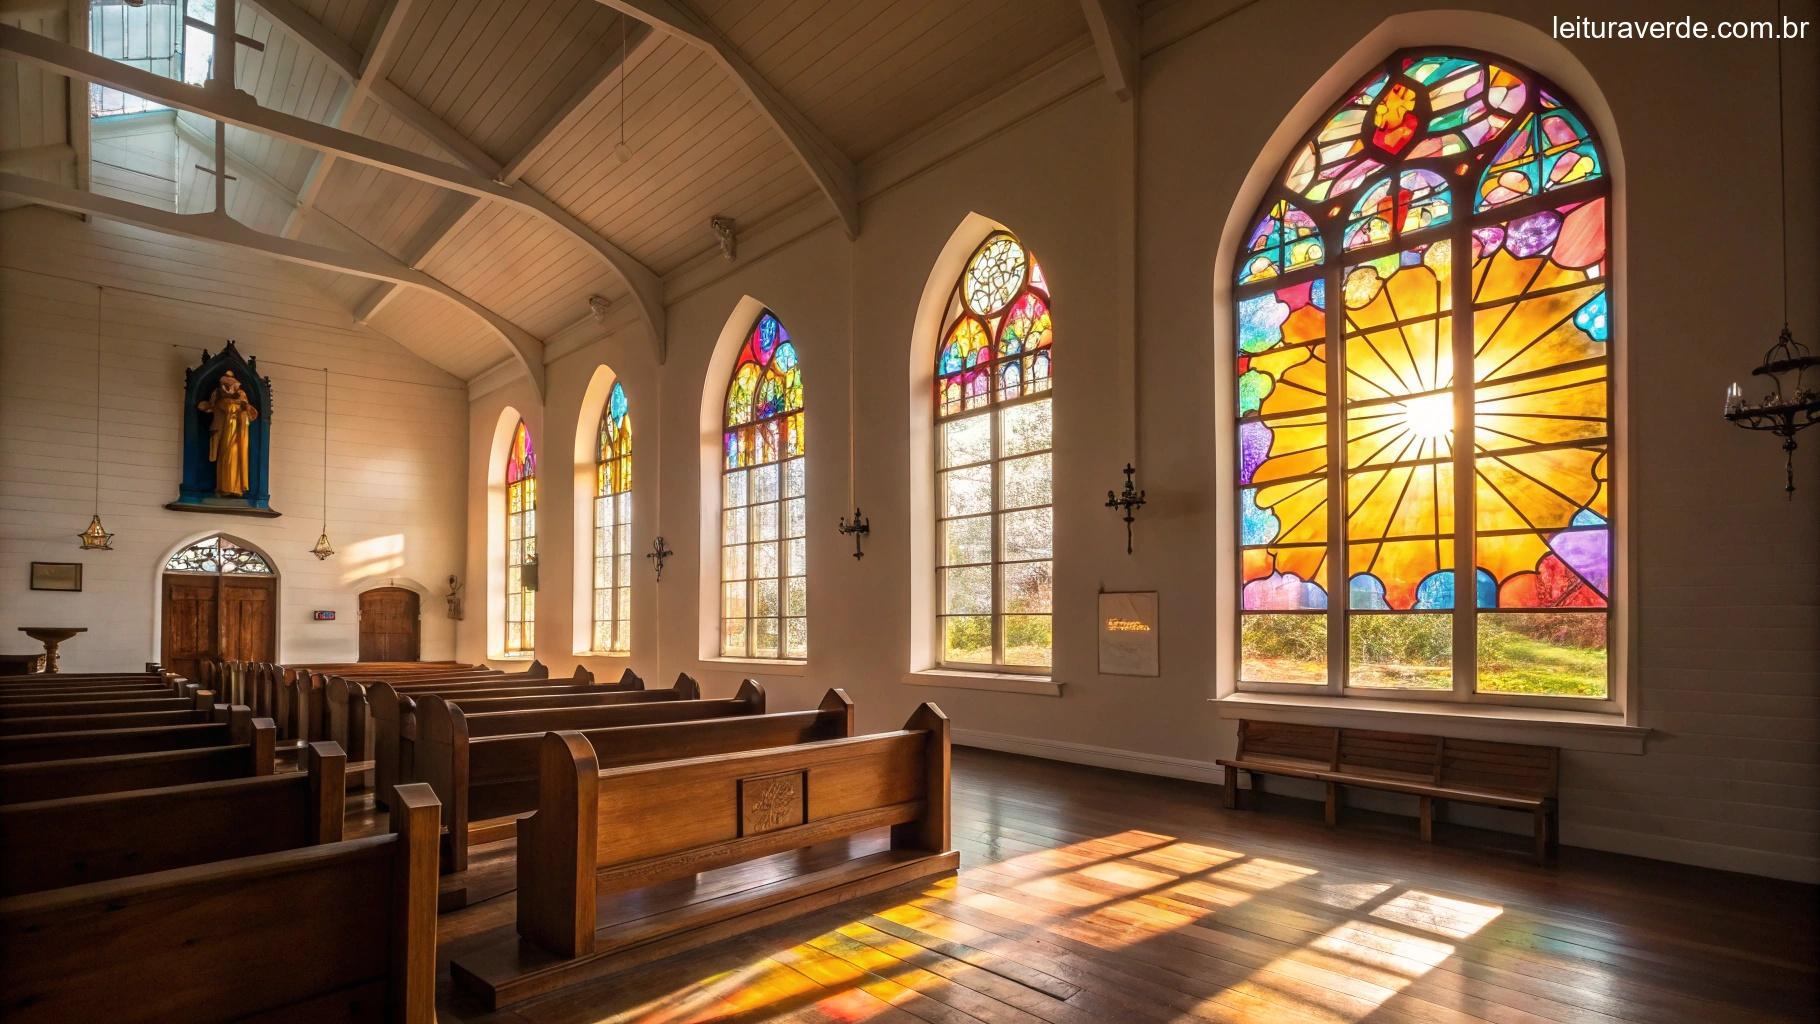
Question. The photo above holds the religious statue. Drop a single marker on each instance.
(228, 439)
(454, 597)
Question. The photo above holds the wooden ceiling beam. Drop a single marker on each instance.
(1115, 25)
(217, 227)
(232, 106)
(832, 169)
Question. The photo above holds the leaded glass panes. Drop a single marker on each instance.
(521, 543)
(1430, 266)
(764, 522)
(612, 609)
(219, 555)
(994, 468)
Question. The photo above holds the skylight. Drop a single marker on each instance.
(166, 37)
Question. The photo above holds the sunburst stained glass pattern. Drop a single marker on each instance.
(764, 509)
(521, 543)
(1441, 177)
(220, 555)
(612, 614)
(995, 516)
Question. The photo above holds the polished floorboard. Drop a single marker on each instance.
(1091, 896)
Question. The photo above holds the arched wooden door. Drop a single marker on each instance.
(220, 604)
(389, 625)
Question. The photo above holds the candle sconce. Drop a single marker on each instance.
(1782, 413)
(1128, 500)
(659, 552)
(860, 527)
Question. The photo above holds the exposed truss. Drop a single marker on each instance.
(832, 170)
(219, 228)
(229, 106)
(1114, 26)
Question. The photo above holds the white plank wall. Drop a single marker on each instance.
(397, 436)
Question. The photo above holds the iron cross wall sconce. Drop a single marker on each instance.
(1129, 501)
(659, 552)
(860, 528)
(1783, 413)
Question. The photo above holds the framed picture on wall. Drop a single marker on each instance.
(56, 575)
(1128, 640)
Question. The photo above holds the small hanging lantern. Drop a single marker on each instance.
(323, 548)
(96, 537)
(1791, 408)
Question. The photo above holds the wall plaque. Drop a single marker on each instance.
(770, 802)
(56, 575)
(1128, 628)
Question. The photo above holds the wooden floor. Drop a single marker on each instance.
(1090, 896)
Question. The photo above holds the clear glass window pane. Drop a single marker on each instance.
(1025, 482)
(966, 440)
(967, 639)
(1551, 654)
(967, 541)
(1024, 428)
(1400, 650)
(1029, 587)
(1028, 640)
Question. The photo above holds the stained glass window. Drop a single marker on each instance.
(995, 513)
(1354, 319)
(613, 527)
(521, 543)
(764, 602)
(219, 556)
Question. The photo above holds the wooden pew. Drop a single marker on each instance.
(340, 931)
(347, 719)
(391, 708)
(591, 857)
(200, 708)
(303, 706)
(251, 753)
(49, 844)
(25, 694)
(56, 746)
(110, 705)
(1511, 776)
(483, 766)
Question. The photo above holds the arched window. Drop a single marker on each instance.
(1431, 265)
(219, 556)
(764, 603)
(521, 543)
(613, 527)
(993, 424)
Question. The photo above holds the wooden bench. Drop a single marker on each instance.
(55, 746)
(49, 844)
(803, 827)
(1510, 776)
(35, 694)
(199, 707)
(106, 705)
(250, 754)
(339, 931)
(303, 706)
(483, 766)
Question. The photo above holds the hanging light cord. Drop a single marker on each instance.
(100, 291)
(1782, 161)
(325, 451)
(622, 79)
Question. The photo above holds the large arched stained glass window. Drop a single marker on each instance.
(613, 527)
(521, 543)
(1451, 212)
(994, 502)
(764, 602)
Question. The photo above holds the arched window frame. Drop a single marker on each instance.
(219, 555)
(612, 608)
(993, 373)
(521, 543)
(1327, 228)
(764, 584)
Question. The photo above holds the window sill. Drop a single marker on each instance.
(527, 656)
(758, 666)
(995, 682)
(1569, 730)
(615, 655)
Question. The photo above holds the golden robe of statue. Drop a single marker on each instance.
(228, 440)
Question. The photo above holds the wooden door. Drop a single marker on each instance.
(249, 620)
(189, 623)
(389, 625)
(232, 618)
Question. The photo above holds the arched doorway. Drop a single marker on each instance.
(390, 625)
(220, 604)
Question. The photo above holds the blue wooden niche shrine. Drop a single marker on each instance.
(227, 437)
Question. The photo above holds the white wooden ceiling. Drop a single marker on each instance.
(489, 77)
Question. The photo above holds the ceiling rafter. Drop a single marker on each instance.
(638, 36)
(219, 228)
(1115, 27)
(833, 170)
(232, 106)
